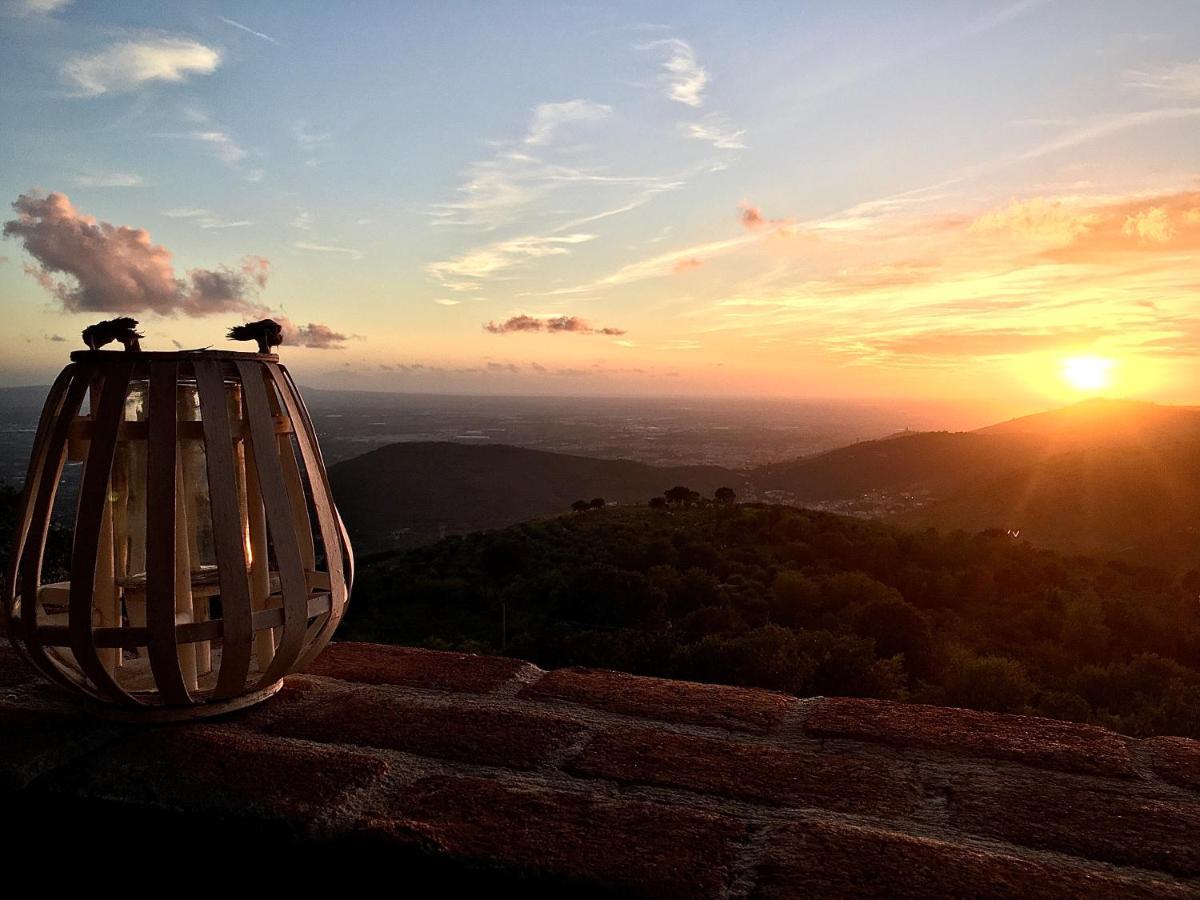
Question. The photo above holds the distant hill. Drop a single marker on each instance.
(938, 461)
(410, 493)
(1138, 503)
(1105, 477)
(1109, 477)
(1101, 422)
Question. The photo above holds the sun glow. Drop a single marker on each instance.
(1087, 373)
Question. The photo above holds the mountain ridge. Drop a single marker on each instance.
(1106, 477)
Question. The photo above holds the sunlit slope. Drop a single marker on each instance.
(1110, 477)
(1141, 503)
(1098, 423)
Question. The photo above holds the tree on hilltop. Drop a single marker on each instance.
(681, 496)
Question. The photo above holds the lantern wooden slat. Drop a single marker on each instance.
(37, 461)
(341, 584)
(34, 545)
(237, 635)
(161, 461)
(195, 587)
(322, 499)
(293, 582)
(108, 407)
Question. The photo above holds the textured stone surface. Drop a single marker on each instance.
(1036, 742)
(766, 773)
(634, 846)
(13, 670)
(215, 768)
(488, 736)
(1108, 821)
(381, 664)
(36, 740)
(717, 706)
(1175, 759)
(471, 774)
(829, 859)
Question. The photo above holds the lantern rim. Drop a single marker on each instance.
(182, 355)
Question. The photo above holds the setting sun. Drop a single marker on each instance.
(1087, 373)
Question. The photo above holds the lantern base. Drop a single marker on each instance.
(156, 714)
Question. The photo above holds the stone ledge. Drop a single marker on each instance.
(482, 771)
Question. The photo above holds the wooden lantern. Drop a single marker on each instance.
(208, 559)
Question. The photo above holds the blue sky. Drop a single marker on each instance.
(821, 199)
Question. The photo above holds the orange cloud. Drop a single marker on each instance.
(1164, 224)
(686, 264)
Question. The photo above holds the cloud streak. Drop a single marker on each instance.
(327, 248)
(247, 29)
(205, 219)
(717, 131)
(548, 118)
(467, 270)
(1177, 82)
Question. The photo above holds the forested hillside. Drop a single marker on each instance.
(809, 603)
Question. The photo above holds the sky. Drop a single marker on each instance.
(939, 200)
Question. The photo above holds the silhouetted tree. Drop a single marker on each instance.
(724, 495)
(597, 503)
(658, 502)
(682, 496)
(677, 495)
(580, 506)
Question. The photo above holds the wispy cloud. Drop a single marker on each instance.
(492, 259)
(497, 189)
(128, 65)
(684, 79)
(549, 117)
(247, 29)
(33, 9)
(326, 248)
(716, 130)
(220, 143)
(223, 146)
(1178, 82)
(310, 141)
(662, 264)
(109, 180)
(1108, 125)
(204, 218)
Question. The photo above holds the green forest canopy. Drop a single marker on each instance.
(809, 603)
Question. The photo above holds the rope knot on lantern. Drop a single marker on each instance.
(208, 558)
